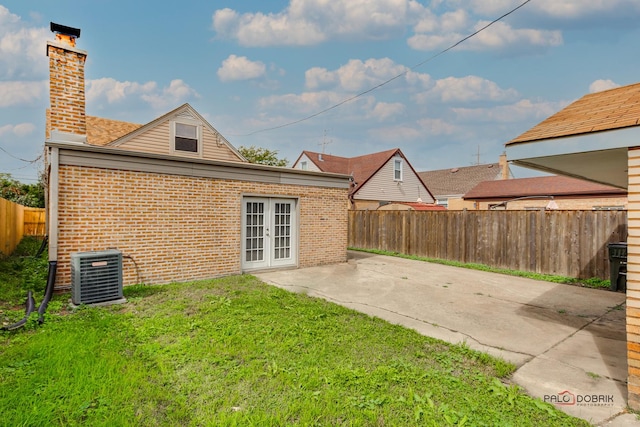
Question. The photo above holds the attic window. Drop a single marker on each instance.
(186, 138)
(397, 170)
(303, 166)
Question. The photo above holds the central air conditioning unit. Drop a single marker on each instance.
(96, 276)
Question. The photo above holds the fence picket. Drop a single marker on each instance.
(566, 243)
(17, 221)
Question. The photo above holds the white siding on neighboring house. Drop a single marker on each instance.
(310, 165)
(383, 187)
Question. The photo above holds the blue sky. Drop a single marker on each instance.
(251, 65)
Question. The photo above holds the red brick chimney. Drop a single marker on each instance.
(66, 119)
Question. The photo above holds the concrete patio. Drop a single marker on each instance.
(568, 342)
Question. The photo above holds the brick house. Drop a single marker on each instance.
(174, 195)
(545, 192)
(384, 180)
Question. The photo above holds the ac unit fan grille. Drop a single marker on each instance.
(96, 276)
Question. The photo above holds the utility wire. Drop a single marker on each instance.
(18, 158)
(358, 95)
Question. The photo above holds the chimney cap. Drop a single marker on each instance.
(63, 29)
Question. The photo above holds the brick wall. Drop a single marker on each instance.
(180, 228)
(633, 280)
(66, 90)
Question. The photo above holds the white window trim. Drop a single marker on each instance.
(304, 165)
(397, 161)
(172, 137)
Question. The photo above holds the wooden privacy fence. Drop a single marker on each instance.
(17, 221)
(565, 243)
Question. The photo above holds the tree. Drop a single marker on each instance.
(31, 195)
(262, 156)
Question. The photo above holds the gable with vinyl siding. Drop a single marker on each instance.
(382, 185)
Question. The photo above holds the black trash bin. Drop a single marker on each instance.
(618, 266)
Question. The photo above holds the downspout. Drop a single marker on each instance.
(54, 182)
(53, 230)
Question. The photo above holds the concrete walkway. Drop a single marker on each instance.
(562, 338)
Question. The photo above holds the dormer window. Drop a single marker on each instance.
(397, 169)
(187, 138)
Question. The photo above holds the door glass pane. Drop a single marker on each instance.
(254, 231)
(282, 236)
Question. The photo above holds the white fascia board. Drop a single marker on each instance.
(67, 138)
(584, 143)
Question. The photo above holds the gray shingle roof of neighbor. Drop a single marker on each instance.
(458, 181)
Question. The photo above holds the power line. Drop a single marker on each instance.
(358, 95)
(18, 158)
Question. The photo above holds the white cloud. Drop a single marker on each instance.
(306, 102)
(557, 9)
(523, 110)
(500, 36)
(402, 133)
(464, 90)
(600, 85)
(115, 91)
(112, 91)
(384, 110)
(433, 126)
(21, 129)
(15, 93)
(581, 8)
(355, 75)
(22, 52)
(24, 129)
(309, 22)
(240, 68)
(177, 93)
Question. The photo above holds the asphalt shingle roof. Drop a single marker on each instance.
(539, 186)
(449, 182)
(102, 131)
(610, 109)
(361, 167)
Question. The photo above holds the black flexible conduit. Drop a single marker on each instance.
(31, 302)
(43, 246)
(51, 281)
(31, 306)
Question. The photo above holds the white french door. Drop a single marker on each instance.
(269, 233)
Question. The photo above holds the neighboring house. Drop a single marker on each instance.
(546, 192)
(377, 179)
(597, 138)
(411, 206)
(449, 185)
(174, 195)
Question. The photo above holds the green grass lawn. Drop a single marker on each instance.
(20, 273)
(237, 352)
